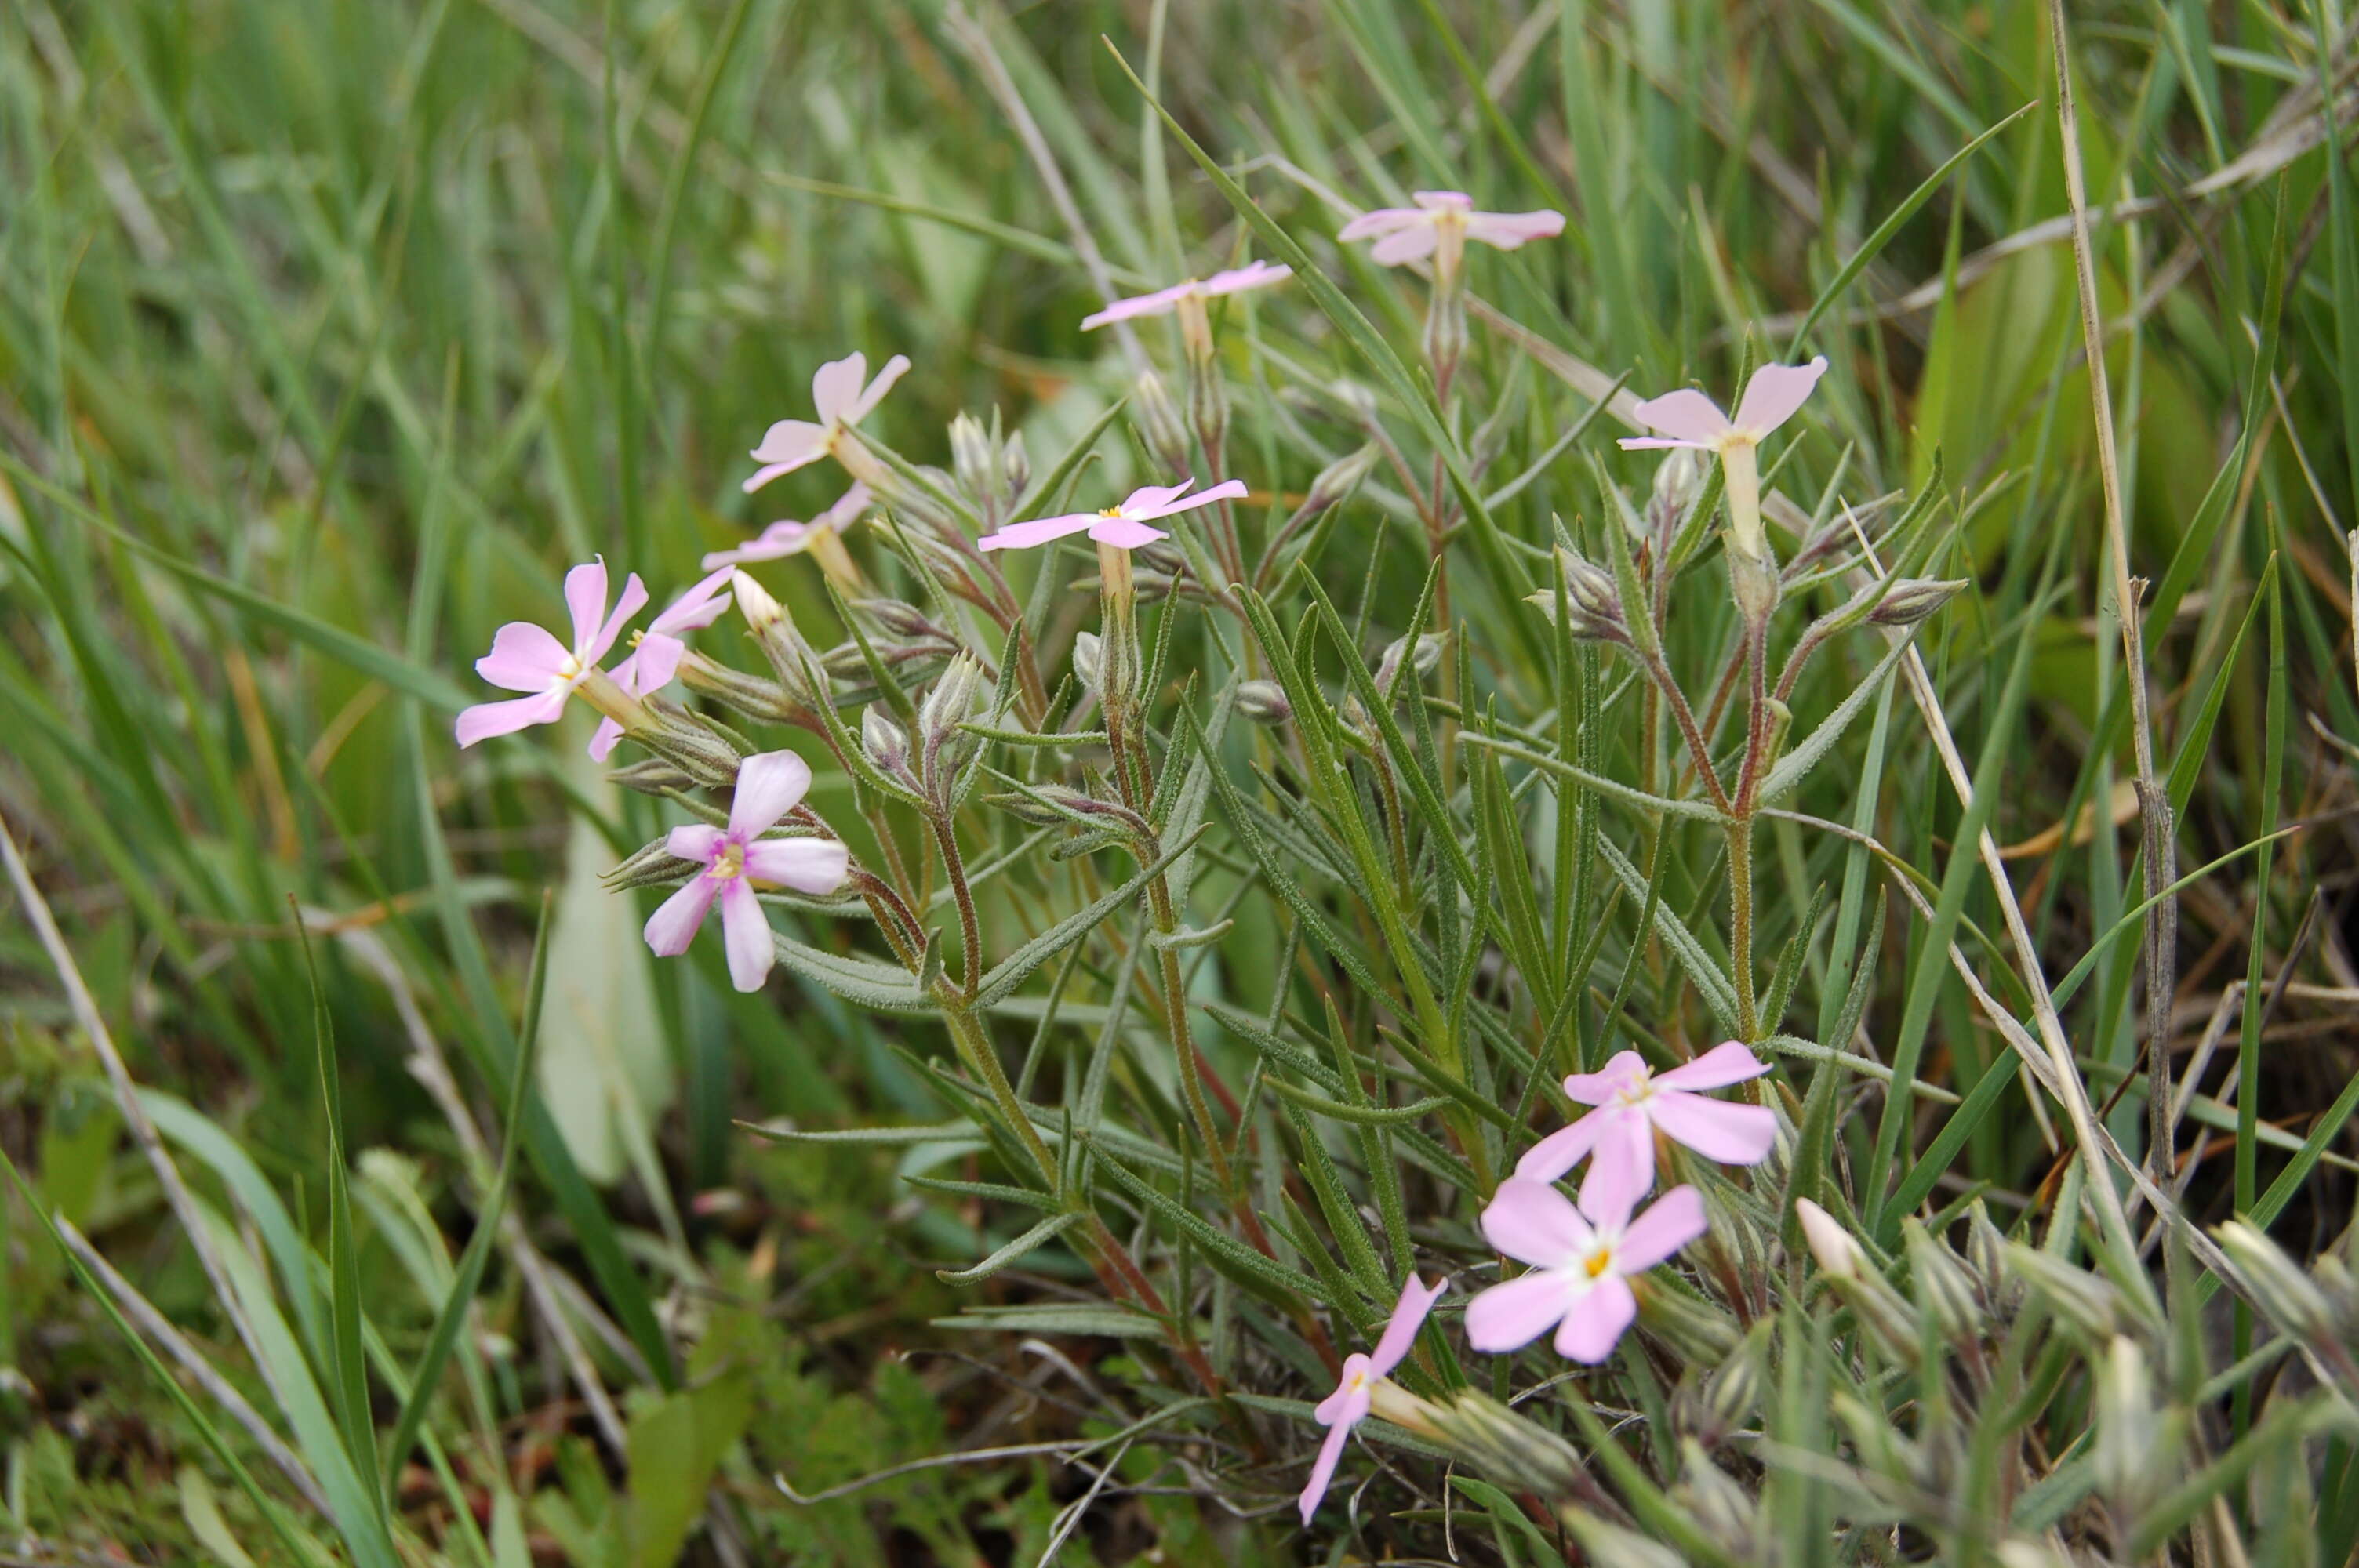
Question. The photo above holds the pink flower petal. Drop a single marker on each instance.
(1443, 201)
(1125, 533)
(523, 658)
(1253, 274)
(769, 786)
(1621, 1169)
(703, 604)
(1675, 1219)
(1511, 1316)
(1322, 1469)
(603, 743)
(1406, 245)
(633, 599)
(1041, 531)
(1347, 1405)
(773, 543)
(815, 866)
(1147, 499)
(1725, 1064)
(1592, 1326)
(1227, 490)
(1417, 1299)
(1716, 1128)
(1533, 1223)
(745, 934)
(895, 369)
(790, 444)
(698, 841)
(1686, 414)
(1159, 303)
(1380, 220)
(835, 388)
(1651, 443)
(486, 720)
(1774, 394)
(1623, 1070)
(673, 926)
(1505, 231)
(652, 665)
(1560, 1151)
(585, 599)
(846, 510)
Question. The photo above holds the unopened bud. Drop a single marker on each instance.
(1913, 599)
(1679, 481)
(972, 460)
(1016, 464)
(1945, 1292)
(1089, 658)
(1264, 702)
(2279, 1287)
(885, 744)
(1720, 1508)
(1357, 397)
(951, 702)
(1594, 602)
(1336, 481)
(1157, 419)
(755, 602)
(1752, 582)
(1829, 1243)
(1424, 656)
(2085, 1301)
(2125, 1420)
(648, 866)
(652, 775)
(897, 617)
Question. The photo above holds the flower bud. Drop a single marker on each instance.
(1831, 1244)
(1720, 1508)
(2279, 1287)
(1157, 419)
(2083, 1299)
(1016, 464)
(1913, 599)
(1678, 482)
(649, 866)
(1336, 481)
(755, 602)
(896, 618)
(1752, 582)
(1263, 702)
(652, 775)
(1424, 656)
(972, 460)
(951, 702)
(2126, 1423)
(1945, 1292)
(1355, 397)
(765, 700)
(885, 744)
(1519, 1454)
(1089, 658)
(1593, 600)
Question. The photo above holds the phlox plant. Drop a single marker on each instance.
(1081, 748)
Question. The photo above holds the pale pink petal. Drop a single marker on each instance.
(633, 599)
(1380, 220)
(773, 543)
(652, 665)
(1686, 414)
(694, 841)
(1147, 499)
(1533, 1223)
(673, 926)
(1651, 443)
(1227, 490)
(745, 934)
(1505, 231)
(769, 786)
(763, 475)
(585, 598)
(1322, 1469)
(847, 508)
(1621, 1169)
(895, 369)
(788, 444)
(1347, 1405)
(1675, 1219)
(1417, 1299)
(603, 743)
(523, 658)
(1443, 201)
(1025, 536)
(1159, 303)
(1774, 394)
(835, 388)
(1560, 1151)
(486, 720)
(1725, 1064)
(1623, 1070)
(1511, 1316)
(1718, 1130)
(1123, 533)
(1253, 274)
(1407, 246)
(700, 607)
(1594, 1325)
(816, 866)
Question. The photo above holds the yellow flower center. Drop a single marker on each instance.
(1111, 511)
(1599, 1261)
(731, 863)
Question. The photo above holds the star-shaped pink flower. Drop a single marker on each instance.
(1633, 1102)
(1412, 233)
(656, 660)
(1583, 1259)
(787, 537)
(1124, 525)
(1163, 301)
(1689, 419)
(842, 396)
(525, 657)
(769, 786)
(1344, 1408)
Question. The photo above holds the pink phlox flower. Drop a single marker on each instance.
(842, 396)
(1126, 525)
(769, 786)
(1163, 301)
(1412, 233)
(788, 538)
(1342, 1410)
(529, 658)
(1581, 1261)
(1689, 419)
(1632, 1102)
(656, 659)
